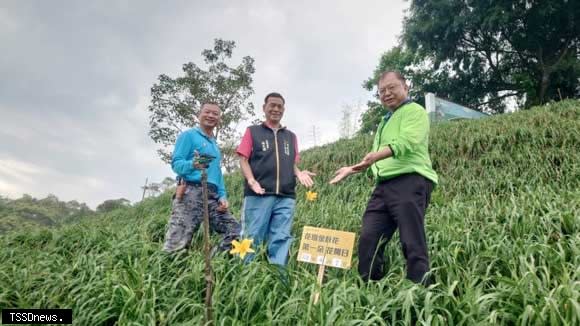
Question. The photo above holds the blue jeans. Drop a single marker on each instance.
(269, 218)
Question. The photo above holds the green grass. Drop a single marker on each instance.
(503, 230)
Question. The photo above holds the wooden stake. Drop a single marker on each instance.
(560, 94)
(207, 249)
(320, 279)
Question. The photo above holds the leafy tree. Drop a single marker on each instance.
(500, 48)
(27, 198)
(53, 203)
(167, 183)
(74, 205)
(175, 102)
(112, 204)
(370, 119)
(480, 53)
(230, 159)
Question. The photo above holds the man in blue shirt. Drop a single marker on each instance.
(187, 213)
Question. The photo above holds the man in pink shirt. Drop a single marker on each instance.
(268, 157)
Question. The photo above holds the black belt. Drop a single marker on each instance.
(197, 184)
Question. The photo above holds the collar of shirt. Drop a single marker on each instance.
(390, 113)
(201, 132)
(269, 126)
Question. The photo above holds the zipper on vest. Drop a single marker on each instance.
(277, 163)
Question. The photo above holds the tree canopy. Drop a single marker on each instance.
(176, 101)
(482, 53)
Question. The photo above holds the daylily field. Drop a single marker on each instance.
(503, 231)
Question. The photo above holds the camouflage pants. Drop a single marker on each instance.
(187, 215)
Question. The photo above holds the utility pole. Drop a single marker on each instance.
(144, 188)
(313, 135)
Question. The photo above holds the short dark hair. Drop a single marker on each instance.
(396, 73)
(274, 94)
(208, 103)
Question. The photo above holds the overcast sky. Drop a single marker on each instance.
(75, 78)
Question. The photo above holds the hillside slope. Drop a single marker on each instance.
(503, 230)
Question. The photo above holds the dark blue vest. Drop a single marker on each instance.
(272, 161)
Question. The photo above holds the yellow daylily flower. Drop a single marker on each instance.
(311, 195)
(242, 248)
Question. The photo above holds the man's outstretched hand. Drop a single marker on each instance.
(342, 173)
(305, 178)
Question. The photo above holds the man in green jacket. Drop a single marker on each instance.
(401, 166)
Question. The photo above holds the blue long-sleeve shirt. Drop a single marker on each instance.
(182, 163)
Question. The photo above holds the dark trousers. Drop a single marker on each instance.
(400, 203)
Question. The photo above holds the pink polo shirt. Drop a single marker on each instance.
(246, 145)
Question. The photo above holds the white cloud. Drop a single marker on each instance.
(75, 83)
(8, 23)
(20, 171)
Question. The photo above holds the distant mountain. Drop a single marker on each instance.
(31, 212)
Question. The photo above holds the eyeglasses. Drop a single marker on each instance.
(390, 88)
